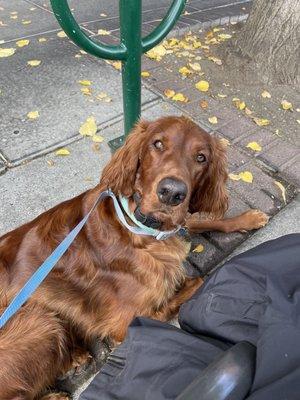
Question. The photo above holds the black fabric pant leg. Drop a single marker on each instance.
(256, 297)
(155, 362)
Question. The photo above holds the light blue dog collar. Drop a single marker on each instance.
(143, 229)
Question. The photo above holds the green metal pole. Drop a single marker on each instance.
(131, 25)
(129, 51)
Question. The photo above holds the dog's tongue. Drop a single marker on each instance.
(148, 220)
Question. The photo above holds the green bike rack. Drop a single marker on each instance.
(129, 51)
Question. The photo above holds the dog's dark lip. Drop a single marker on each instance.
(148, 220)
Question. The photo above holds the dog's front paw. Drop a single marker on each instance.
(253, 219)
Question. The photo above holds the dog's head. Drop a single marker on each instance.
(169, 167)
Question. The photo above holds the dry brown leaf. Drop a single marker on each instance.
(203, 104)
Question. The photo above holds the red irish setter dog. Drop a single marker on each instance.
(169, 169)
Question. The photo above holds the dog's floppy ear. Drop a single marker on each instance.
(120, 173)
(210, 195)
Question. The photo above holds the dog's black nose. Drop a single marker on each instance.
(171, 191)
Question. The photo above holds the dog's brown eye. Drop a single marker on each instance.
(158, 145)
(201, 158)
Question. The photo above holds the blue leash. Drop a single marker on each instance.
(41, 273)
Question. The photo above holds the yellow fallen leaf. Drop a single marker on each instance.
(103, 32)
(42, 40)
(286, 105)
(61, 34)
(195, 66)
(254, 146)
(50, 163)
(89, 127)
(33, 114)
(14, 17)
(234, 177)
(97, 138)
(184, 71)
(222, 96)
(261, 121)
(282, 188)
(224, 36)
(26, 22)
(62, 152)
(145, 74)
(248, 111)
(32, 8)
(240, 105)
(157, 52)
(101, 95)
(34, 63)
(117, 65)
(82, 51)
(213, 120)
(14, 12)
(86, 90)
(85, 82)
(216, 29)
(7, 52)
(246, 176)
(203, 86)
(225, 142)
(180, 97)
(298, 121)
(197, 44)
(198, 249)
(265, 94)
(22, 43)
(169, 93)
(103, 15)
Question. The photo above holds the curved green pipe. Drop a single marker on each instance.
(165, 26)
(69, 25)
